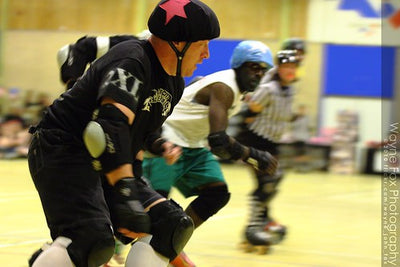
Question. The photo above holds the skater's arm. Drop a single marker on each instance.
(221, 99)
(160, 146)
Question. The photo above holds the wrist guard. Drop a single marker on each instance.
(156, 148)
(127, 208)
(262, 161)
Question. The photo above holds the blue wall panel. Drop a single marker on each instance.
(363, 71)
(220, 54)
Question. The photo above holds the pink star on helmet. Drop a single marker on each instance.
(174, 8)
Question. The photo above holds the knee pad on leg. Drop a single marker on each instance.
(55, 255)
(264, 196)
(274, 179)
(266, 188)
(210, 201)
(171, 228)
(101, 253)
(278, 176)
(148, 257)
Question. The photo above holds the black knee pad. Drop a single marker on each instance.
(264, 194)
(171, 228)
(278, 176)
(210, 201)
(101, 253)
(92, 245)
(267, 186)
(274, 179)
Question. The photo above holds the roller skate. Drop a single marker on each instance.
(182, 260)
(276, 229)
(256, 239)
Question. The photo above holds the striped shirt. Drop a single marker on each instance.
(273, 120)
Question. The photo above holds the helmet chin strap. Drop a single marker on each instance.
(179, 55)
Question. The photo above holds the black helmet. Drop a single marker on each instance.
(183, 20)
(287, 56)
(294, 44)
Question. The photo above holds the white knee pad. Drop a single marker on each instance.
(142, 254)
(55, 255)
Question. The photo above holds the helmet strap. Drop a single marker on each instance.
(179, 55)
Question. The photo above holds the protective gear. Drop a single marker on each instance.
(251, 51)
(267, 186)
(222, 146)
(107, 139)
(102, 45)
(210, 200)
(262, 161)
(100, 254)
(142, 254)
(127, 208)
(171, 228)
(255, 233)
(36, 254)
(266, 189)
(294, 44)
(56, 254)
(195, 21)
(287, 56)
(73, 59)
(156, 148)
(144, 35)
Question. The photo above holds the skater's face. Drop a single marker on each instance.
(250, 74)
(287, 72)
(196, 53)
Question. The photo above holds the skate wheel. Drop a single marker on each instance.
(249, 248)
(262, 250)
(246, 247)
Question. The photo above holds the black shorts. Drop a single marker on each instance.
(74, 196)
(70, 191)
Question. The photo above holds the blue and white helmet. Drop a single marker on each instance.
(251, 51)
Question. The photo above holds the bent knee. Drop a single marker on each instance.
(210, 200)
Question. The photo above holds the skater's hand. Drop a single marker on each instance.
(128, 211)
(171, 152)
(262, 161)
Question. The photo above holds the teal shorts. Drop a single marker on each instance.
(195, 168)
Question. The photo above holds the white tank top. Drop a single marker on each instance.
(188, 125)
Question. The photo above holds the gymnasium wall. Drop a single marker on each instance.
(33, 31)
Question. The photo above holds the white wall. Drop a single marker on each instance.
(374, 119)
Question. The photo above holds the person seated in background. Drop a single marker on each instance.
(14, 136)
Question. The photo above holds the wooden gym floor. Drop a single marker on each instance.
(333, 221)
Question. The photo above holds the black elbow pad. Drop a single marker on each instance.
(222, 146)
(108, 139)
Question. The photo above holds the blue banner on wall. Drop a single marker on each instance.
(220, 54)
(364, 71)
